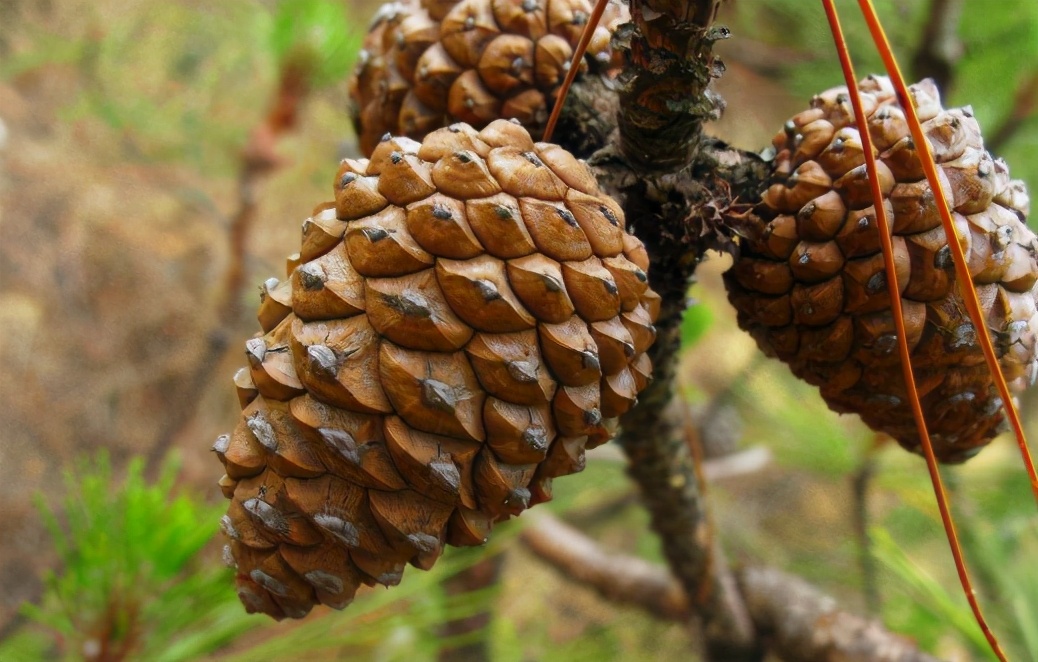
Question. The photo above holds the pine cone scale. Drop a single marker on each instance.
(810, 284)
(426, 64)
(459, 331)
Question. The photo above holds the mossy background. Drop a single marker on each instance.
(121, 128)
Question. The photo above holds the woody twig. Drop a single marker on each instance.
(666, 174)
(258, 160)
(800, 622)
(940, 47)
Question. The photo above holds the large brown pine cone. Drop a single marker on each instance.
(810, 285)
(459, 325)
(428, 64)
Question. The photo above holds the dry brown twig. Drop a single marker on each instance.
(1025, 107)
(258, 161)
(732, 465)
(619, 578)
(800, 623)
(940, 47)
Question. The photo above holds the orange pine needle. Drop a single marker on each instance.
(971, 300)
(962, 274)
(574, 66)
(895, 300)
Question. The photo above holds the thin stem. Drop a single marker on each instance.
(860, 482)
(940, 47)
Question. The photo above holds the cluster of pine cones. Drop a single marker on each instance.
(470, 314)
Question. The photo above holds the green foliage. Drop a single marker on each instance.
(184, 83)
(167, 81)
(317, 33)
(136, 576)
(997, 531)
(796, 423)
(131, 577)
(695, 323)
(936, 609)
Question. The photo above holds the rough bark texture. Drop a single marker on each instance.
(664, 99)
(805, 625)
(674, 185)
(589, 116)
(675, 215)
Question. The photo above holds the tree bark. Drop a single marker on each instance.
(800, 623)
(674, 187)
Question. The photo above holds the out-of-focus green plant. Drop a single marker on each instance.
(317, 35)
(135, 583)
(184, 83)
(131, 582)
(999, 541)
(933, 609)
(696, 322)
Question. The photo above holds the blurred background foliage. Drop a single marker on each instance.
(122, 124)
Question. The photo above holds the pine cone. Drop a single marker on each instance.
(459, 325)
(810, 284)
(427, 65)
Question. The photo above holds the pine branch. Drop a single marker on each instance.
(805, 625)
(663, 96)
(940, 47)
(618, 578)
(674, 186)
(801, 623)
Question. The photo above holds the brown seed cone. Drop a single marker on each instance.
(810, 285)
(464, 320)
(426, 65)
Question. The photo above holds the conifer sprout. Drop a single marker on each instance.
(460, 324)
(810, 287)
